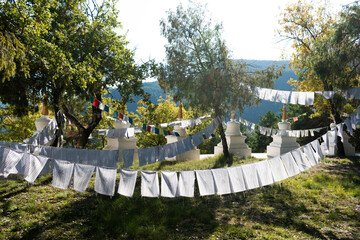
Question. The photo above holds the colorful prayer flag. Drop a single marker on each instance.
(131, 121)
(96, 102)
(121, 116)
(157, 131)
(148, 128)
(144, 127)
(116, 114)
(106, 108)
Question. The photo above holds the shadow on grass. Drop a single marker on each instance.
(22, 187)
(99, 217)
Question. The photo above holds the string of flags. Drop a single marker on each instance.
(76, 170)
(301, 98)
(146, 127)
(271, 131)
(75, 167)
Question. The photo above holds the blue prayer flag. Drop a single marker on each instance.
(116, 114)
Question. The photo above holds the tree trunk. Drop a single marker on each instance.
(57, 138)
(227, 156)
(80, 139)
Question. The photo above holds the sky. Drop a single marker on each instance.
(249, 26)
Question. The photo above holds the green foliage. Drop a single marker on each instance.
(148, 113)
(258, 142)
(326, 52)
(70, 49)
(207, 147)
(14, 128)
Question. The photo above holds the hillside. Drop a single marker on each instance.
(252, 114)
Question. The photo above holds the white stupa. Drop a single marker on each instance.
(121, 141)
(189, 155)
(44, 120)
(282, 142)
(234, 139)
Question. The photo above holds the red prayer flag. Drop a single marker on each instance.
(148, 128)
(295, 119)
(121, 116)
(96, 102)
(169, 133)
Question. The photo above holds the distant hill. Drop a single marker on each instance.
(252, 114)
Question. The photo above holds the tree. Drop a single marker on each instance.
(14, 128)
(148, 113)
(78, 53)
(199, 68)
(317, 59)
(258, 142)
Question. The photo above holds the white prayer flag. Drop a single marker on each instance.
(222, 182)
(186, 183)
(294, 97)
(264, 173)
(10, 160)
(169, 184)
(205, 181)
(340, 131)
(62, 174)
(309, 153)
(250, 176)
(34, 166)
(237, 181)
(277, 169)
(300, 159)
(82, 176)
(149, 184)
(127, 182)
(105, 181)
(318, 153)
(290, 165)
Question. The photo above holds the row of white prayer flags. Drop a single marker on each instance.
(302, 98)
(292, 133)
(208, 182)
(271, 131)
(212, 181)
(45, 135)
(109, 158)
(273, 95)
(170, 150)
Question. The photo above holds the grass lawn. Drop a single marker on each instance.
(321, 203)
